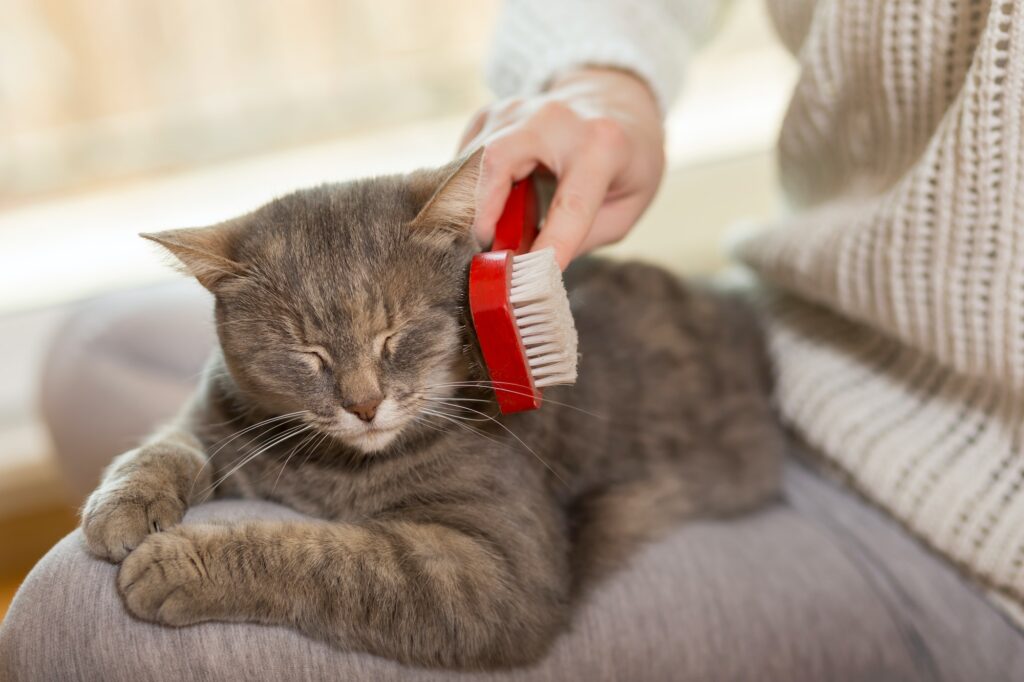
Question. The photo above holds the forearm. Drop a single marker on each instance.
(536, 41)
(422, 593)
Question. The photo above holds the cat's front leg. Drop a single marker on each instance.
(422, 593)
(168, 578)
(144, 491)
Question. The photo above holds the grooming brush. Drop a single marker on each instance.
(520, 309)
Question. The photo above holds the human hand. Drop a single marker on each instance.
(599, 131)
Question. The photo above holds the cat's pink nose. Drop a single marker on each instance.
(365, 410)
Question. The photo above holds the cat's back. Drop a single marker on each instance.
(647, 318)
(669, 369)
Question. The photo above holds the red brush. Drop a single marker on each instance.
(520, 309)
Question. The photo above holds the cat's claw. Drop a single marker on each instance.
(116, 519)
(164, 581)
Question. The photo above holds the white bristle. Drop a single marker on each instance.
(541, 307)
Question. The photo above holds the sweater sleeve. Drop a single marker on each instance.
(537, 39)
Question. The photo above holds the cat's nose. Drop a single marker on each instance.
(366, 409)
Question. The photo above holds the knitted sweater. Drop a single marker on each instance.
(899, 338)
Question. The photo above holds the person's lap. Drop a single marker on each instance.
(818, 587)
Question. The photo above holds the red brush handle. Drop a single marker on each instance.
(490, 276)
(517, 226)
(490, 285)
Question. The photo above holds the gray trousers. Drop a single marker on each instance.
(818, 587)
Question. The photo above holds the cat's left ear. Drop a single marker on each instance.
(452, 206)
(204, 252)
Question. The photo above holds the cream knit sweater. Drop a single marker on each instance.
(900, 338)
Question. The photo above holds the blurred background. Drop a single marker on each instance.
(120, 116)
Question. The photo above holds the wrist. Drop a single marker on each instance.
(618, 83)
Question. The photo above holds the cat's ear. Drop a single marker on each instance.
(203, 251)
(452, 206)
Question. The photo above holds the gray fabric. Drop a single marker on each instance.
(818, 588)
(118, 366)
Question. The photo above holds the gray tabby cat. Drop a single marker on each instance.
(346, 387)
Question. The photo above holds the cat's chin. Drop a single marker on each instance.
(367, 440)
(373, 440)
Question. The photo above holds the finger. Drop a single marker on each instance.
(508, 158)
(613, 222)
(581, 192)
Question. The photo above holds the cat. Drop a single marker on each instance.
(347, 386)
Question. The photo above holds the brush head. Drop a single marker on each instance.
(540, 305)
(523, 324)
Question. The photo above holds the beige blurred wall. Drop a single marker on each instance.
(92, 90)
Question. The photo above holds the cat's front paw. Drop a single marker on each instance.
(166, 579)
(118, 517)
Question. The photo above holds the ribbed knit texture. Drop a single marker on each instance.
(903, 150)
(900, 343)
(538, 39)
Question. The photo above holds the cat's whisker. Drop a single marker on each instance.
(224, 442)
(292, 432)
(316, 446)
(507, 388)
(227, 439)
(427, 423)
(305, 441)
(456, 407)
(473, 400)
(423, 421)
(521, 441)
(248, 457)
(460, 424)
(267, 424)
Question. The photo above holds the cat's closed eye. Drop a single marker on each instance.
(386, 344)
(316, 357)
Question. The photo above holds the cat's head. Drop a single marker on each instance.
(345, 303)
